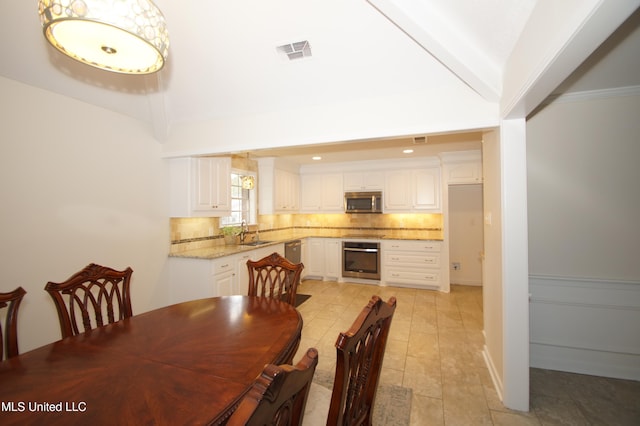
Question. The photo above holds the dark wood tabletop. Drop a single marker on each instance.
(188, 363)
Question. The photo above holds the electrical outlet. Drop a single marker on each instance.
(455, 266)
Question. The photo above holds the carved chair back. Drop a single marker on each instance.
(95, 296)
(9, 340)
(275, 277)
(279, 394)
(360, 353)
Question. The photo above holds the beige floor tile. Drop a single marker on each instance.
(426, 411)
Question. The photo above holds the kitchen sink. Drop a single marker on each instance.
(256, 243)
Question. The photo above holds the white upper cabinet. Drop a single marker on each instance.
(426, 189)
(286, 191)
(412, 190)
(278, 187)
(321, 193)
(200, 187)
(464, 167)
(364, 181)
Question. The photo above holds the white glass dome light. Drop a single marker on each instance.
(124, 36)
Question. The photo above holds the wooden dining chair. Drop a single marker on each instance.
(360, 352)
(275, 277)
(9, 342)
(279, 394)
(95, 296)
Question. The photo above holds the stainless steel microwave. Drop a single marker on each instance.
(363, 202)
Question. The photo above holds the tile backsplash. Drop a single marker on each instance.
(195, 233)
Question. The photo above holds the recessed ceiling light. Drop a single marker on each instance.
(316, 158)
(407, 151)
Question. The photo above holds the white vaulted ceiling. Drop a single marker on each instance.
(223, 62)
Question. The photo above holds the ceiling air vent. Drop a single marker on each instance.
(297, 50)
(419, 140)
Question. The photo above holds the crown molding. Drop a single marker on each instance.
(594, 94)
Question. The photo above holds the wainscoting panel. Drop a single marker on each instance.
(586, 326)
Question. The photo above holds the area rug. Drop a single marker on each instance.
(392, 405)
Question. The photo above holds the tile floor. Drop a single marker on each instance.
(435, 348)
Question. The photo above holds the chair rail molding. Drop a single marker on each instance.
(585, 325)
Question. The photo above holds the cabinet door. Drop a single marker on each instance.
(224, 271)
(426, 192)
(286, 191)
(465, 173)
(242, 274)
(333, 258)
(224, 284)
(315, 257)
(397, 194)
(332, 192)
(211, 184)
(363, 181)
(311, 193)
(322, 193)
(412, 190)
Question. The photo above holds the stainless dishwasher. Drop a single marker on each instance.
(292, 251)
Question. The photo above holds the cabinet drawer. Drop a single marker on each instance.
(222, 266)
(418, 260)
(431, 278)
(422, 246)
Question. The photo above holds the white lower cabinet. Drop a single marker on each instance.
(192, 279)
(324, 258)
(315, 257)
(189, 279)
(411, 263)
(242, 272)
(333, 258)
(224, 275)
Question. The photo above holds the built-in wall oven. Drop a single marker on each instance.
(361, 260)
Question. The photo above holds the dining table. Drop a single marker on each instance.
(184, 364)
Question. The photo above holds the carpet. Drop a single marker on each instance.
(392, 405)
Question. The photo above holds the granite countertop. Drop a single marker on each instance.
(219, 251)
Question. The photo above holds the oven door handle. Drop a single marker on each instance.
(369, 250)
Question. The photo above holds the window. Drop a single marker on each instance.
(243, 201)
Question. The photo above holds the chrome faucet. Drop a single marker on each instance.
(244, 228)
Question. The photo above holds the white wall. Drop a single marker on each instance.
(492, 265)
(78, 185)
(444, 108)
(584, 235)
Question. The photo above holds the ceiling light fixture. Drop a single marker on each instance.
(247, 181)
(407, 151)
(124, 36)
(316, 158)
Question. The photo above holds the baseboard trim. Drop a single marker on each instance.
(493, 372)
